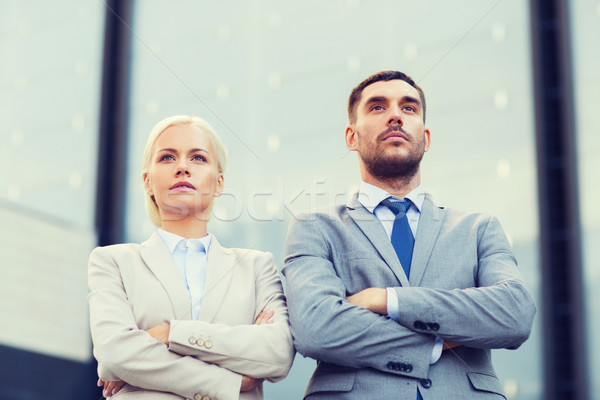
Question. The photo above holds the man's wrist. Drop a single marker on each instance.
(393, 310)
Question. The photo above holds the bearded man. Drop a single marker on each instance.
(393, 296)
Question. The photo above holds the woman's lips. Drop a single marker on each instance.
(182, 186)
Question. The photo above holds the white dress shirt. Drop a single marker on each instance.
(370, 197)
(190, 257)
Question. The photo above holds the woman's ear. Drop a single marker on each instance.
(147, 184)
(220, 185)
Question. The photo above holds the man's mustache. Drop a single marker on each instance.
(395, 128)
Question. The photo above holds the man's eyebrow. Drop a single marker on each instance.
(379, 99)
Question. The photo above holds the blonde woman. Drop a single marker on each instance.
(180, 316)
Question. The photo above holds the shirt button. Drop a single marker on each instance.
(192, 340)
(200, 342)
(208, 344)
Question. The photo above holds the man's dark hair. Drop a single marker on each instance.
(380, 76)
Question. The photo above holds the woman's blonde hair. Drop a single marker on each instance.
(160, 127)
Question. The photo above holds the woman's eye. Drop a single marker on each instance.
(198, 157)
(167, 157)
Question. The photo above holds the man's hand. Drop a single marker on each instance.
(110, 387)
(160, 333)
(250, 383)
(373, 299)
(450, 345)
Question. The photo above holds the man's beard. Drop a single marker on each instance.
(393, 167)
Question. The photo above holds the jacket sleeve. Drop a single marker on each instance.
(328, 328)
(497, 313)
(127, 353)
(259, 351)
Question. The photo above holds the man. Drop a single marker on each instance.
(386, 319)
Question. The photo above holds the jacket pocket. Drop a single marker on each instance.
(331, 382)
(485, 382)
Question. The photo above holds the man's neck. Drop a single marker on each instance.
(398, 187)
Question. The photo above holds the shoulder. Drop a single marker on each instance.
(243, 255)
(115, 251)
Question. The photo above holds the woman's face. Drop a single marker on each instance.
(183, 175)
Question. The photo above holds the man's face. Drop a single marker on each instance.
(388, 132)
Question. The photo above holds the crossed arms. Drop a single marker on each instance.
(350, 329)
(126, 352)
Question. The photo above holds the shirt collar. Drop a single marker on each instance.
(370, 196)
(172, 240)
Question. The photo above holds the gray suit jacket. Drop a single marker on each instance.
(464, 286)
(135, 287)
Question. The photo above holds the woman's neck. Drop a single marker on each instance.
(189, 228)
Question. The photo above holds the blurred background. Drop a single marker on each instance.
(83, 81)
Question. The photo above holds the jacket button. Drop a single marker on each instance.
(426, 383)
(408, 368)
(198, 396)
(192, 340)
(200, 342)
(420, 325)
(208, 344)
(434, 326)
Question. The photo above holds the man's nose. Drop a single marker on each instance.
(395, 116)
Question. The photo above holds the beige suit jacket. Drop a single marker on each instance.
(135, 287)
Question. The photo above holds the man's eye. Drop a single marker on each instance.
(410, 108)
(376, 108)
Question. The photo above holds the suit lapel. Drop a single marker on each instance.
(430, 223)
(373, 230)
(219, 272)
(156, 256)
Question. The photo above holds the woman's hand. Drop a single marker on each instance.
(110, 387)
(160, 333)
(248, 383)
(265, 317)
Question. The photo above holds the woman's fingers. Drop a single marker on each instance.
(111, 387)
(265, 317)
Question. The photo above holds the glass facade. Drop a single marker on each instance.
(585, 26)
(49, 104)
(273, 79)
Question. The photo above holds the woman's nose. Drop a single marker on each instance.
(182, 169)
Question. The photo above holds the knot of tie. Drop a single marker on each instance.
(398, 207)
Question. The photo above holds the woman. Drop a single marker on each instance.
(180, 293)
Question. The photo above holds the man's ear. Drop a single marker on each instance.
(147, 184)
(351, 137)
(427, 138)
(220, 185)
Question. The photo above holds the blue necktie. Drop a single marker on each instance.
(402, 237)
